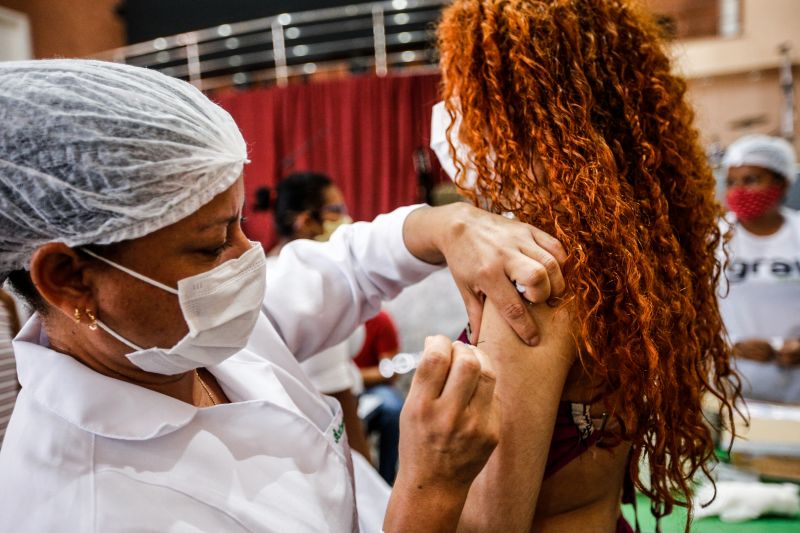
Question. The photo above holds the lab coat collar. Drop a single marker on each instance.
(96, 403)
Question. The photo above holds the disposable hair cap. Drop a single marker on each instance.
(772, 153)
(95, 153)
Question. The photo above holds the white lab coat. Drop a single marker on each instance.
(85, 452)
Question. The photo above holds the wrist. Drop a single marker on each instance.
(419, 501)
(421, 234)
(454, 221)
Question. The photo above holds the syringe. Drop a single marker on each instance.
(402, 363)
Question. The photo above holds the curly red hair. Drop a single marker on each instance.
(584, 90)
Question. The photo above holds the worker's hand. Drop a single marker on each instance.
(449, 426)
(789, 354)
(754, 350)
(487, 254)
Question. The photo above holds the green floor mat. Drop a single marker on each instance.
(675, 522)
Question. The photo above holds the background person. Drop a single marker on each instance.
(307, 205)
(760, 302)
(381, 342)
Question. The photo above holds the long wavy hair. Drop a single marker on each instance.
(583, 91)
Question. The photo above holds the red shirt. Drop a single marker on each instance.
(380, 338)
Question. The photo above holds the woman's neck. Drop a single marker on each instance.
(764, 225)
(189, 387)
(276, 250)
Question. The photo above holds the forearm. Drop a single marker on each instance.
(372, 376)
(529, 385)
(427, 229)
(318, 293)
(423, 509)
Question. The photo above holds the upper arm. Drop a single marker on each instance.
(530, 381)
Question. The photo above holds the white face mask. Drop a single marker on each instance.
(440, 121)
(220, 307)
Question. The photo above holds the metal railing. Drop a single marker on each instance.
(379, 36)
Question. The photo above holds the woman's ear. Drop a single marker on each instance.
(60, 275)
(306, 226)
(300, 222)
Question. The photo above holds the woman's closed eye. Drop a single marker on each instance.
(218, 250)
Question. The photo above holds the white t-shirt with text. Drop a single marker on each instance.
(761, 300)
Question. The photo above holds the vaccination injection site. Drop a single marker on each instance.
(399, 266)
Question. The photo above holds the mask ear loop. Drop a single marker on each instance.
(131, 272)
(119, 337)
(136, 275)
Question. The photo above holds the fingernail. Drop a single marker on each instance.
(427, 341)
(533, 341)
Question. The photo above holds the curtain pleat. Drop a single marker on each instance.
(361, 131)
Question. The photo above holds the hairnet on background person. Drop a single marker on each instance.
(95, 153)
(772, 153)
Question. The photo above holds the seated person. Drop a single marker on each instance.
(760, 302)
(566, 115)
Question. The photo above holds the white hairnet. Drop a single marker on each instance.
(772, 153)
(95, 153)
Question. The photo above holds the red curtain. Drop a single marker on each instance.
(361, 131)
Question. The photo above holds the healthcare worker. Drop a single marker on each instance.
(157, 393)
(761, 299)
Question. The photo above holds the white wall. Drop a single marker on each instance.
(766, 24)
(15, 35)
(733, 81)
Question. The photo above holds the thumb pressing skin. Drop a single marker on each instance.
(487, 368)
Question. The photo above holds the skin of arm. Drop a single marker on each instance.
(372, 376)
(530, 381)
(789, 354)
(485, 252)
(754, 349)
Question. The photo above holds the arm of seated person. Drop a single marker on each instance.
(529, 387)
(755, 350)
(789, 354)
(372, 376)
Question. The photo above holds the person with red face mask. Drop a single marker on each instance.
(761, 299)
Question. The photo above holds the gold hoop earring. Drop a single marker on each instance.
(93, 324)
(77, 315)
